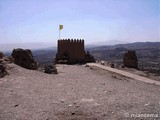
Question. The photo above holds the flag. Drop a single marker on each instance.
(60, 27)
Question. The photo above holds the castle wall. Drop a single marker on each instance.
(74, 49)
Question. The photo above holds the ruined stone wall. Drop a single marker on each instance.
(130, 59)
(74, 49)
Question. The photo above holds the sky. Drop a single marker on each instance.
(95, 21)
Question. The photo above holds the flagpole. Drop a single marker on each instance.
(59, 32)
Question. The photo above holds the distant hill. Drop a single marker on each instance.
(148, 54)
(140, 45)
(143, 49)
(136, 45)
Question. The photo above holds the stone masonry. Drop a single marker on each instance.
(130, 59)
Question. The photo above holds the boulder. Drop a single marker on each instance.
(6, 60)
(130, 59)
(1, 55)
(89, 58)
(3, 71)
(24, 58)
(50, 69)
(9, 59)
(110, 64)
(1, 61)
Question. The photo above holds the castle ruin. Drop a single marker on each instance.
(72, 51)
(130, 59)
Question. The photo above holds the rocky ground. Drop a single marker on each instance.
(76, 93)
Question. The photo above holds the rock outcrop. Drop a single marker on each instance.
(89, 57)
(50, 69)
(24, 58)
(1, 55)
(110, 64)
(3, 71)
(130, 60)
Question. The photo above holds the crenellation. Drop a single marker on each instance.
(76, 41)
(71, 40)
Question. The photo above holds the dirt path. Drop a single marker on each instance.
(127, 74)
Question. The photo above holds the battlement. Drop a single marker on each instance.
(71, 41)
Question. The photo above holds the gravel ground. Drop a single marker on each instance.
(76, 93)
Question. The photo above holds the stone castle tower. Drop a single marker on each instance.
(70, 51)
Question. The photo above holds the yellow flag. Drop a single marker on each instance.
(60, 27)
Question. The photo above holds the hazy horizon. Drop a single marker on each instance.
(36, 45)
(28, 21)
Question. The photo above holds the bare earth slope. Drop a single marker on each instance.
(76, 93)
